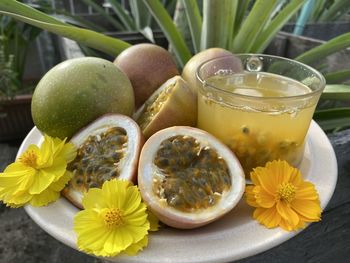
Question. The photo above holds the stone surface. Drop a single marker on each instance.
(21, 240)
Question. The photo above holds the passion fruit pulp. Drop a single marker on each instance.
(188, 178)
(170, 105)
(108, 148)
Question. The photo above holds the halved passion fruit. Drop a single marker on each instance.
(189, 178)
(170, 105)
(108, 148)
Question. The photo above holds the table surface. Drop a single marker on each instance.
(21, 240)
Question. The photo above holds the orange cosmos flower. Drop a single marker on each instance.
(281, 197)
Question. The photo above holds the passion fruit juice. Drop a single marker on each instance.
(254, 122)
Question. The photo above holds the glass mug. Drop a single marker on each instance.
(260, 106)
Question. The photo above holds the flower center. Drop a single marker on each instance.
(113, 217)
(29, 159)
(286, 192)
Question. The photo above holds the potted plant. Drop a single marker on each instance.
(18, 76)
(238, 26)
(129, 21)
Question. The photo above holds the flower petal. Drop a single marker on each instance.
(57, 169)
(264, 179)
(280, 170)
(18, 200)
(306, 191)
(114, 192)
(133, 201)
(69, 152)
(118, 240)
(268, 217)
(94, 199)
(45, 197)
(91, 231)
(138, 218)
(153, 221)
(41, 182)
(61, 182)
(250, 196)
(308, 208)
(45, 155)
(263, 198)
(287, 213)
(136, 247)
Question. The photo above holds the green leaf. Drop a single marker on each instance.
(334, 45)
(218, 23)
(253, 25)
(140, 13)
(109, 45)
(268, 33)
(338, 6)
(194, 21)
(78, 21)
(122, 14)
(20, 9)
(103, 13)
(333, 118)
(240, 14)
(338, 76)
(181, 50)
(319, 8)
(336, 92)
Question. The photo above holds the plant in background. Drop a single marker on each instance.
(8, 75)
(239, 26)
(138, 18)
(326, 10)
(15, 38)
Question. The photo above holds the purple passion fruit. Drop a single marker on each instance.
(189, 71)
(147, 66)
(188, 178)
(77, 91)
(108, 148)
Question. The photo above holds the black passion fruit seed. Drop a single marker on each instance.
(98, 159)
(192, 177)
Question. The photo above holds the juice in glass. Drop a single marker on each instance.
(262, 116)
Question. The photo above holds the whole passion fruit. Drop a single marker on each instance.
(108, 148)
(189, 178)
(189, 71)
(170, 105)
(147, 66)
(77, 91)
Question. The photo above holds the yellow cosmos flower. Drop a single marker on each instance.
(281, 197)
(38, 175)
(115, 220)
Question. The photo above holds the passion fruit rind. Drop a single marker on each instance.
(107, 148)
(147, 66)
(77, 91)
(172, 104)
(181, 161)
(189, 70)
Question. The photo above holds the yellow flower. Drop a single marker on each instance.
(115, 220)
(281, 197)
(38, 175)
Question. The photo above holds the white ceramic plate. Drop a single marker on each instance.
(233, 237)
